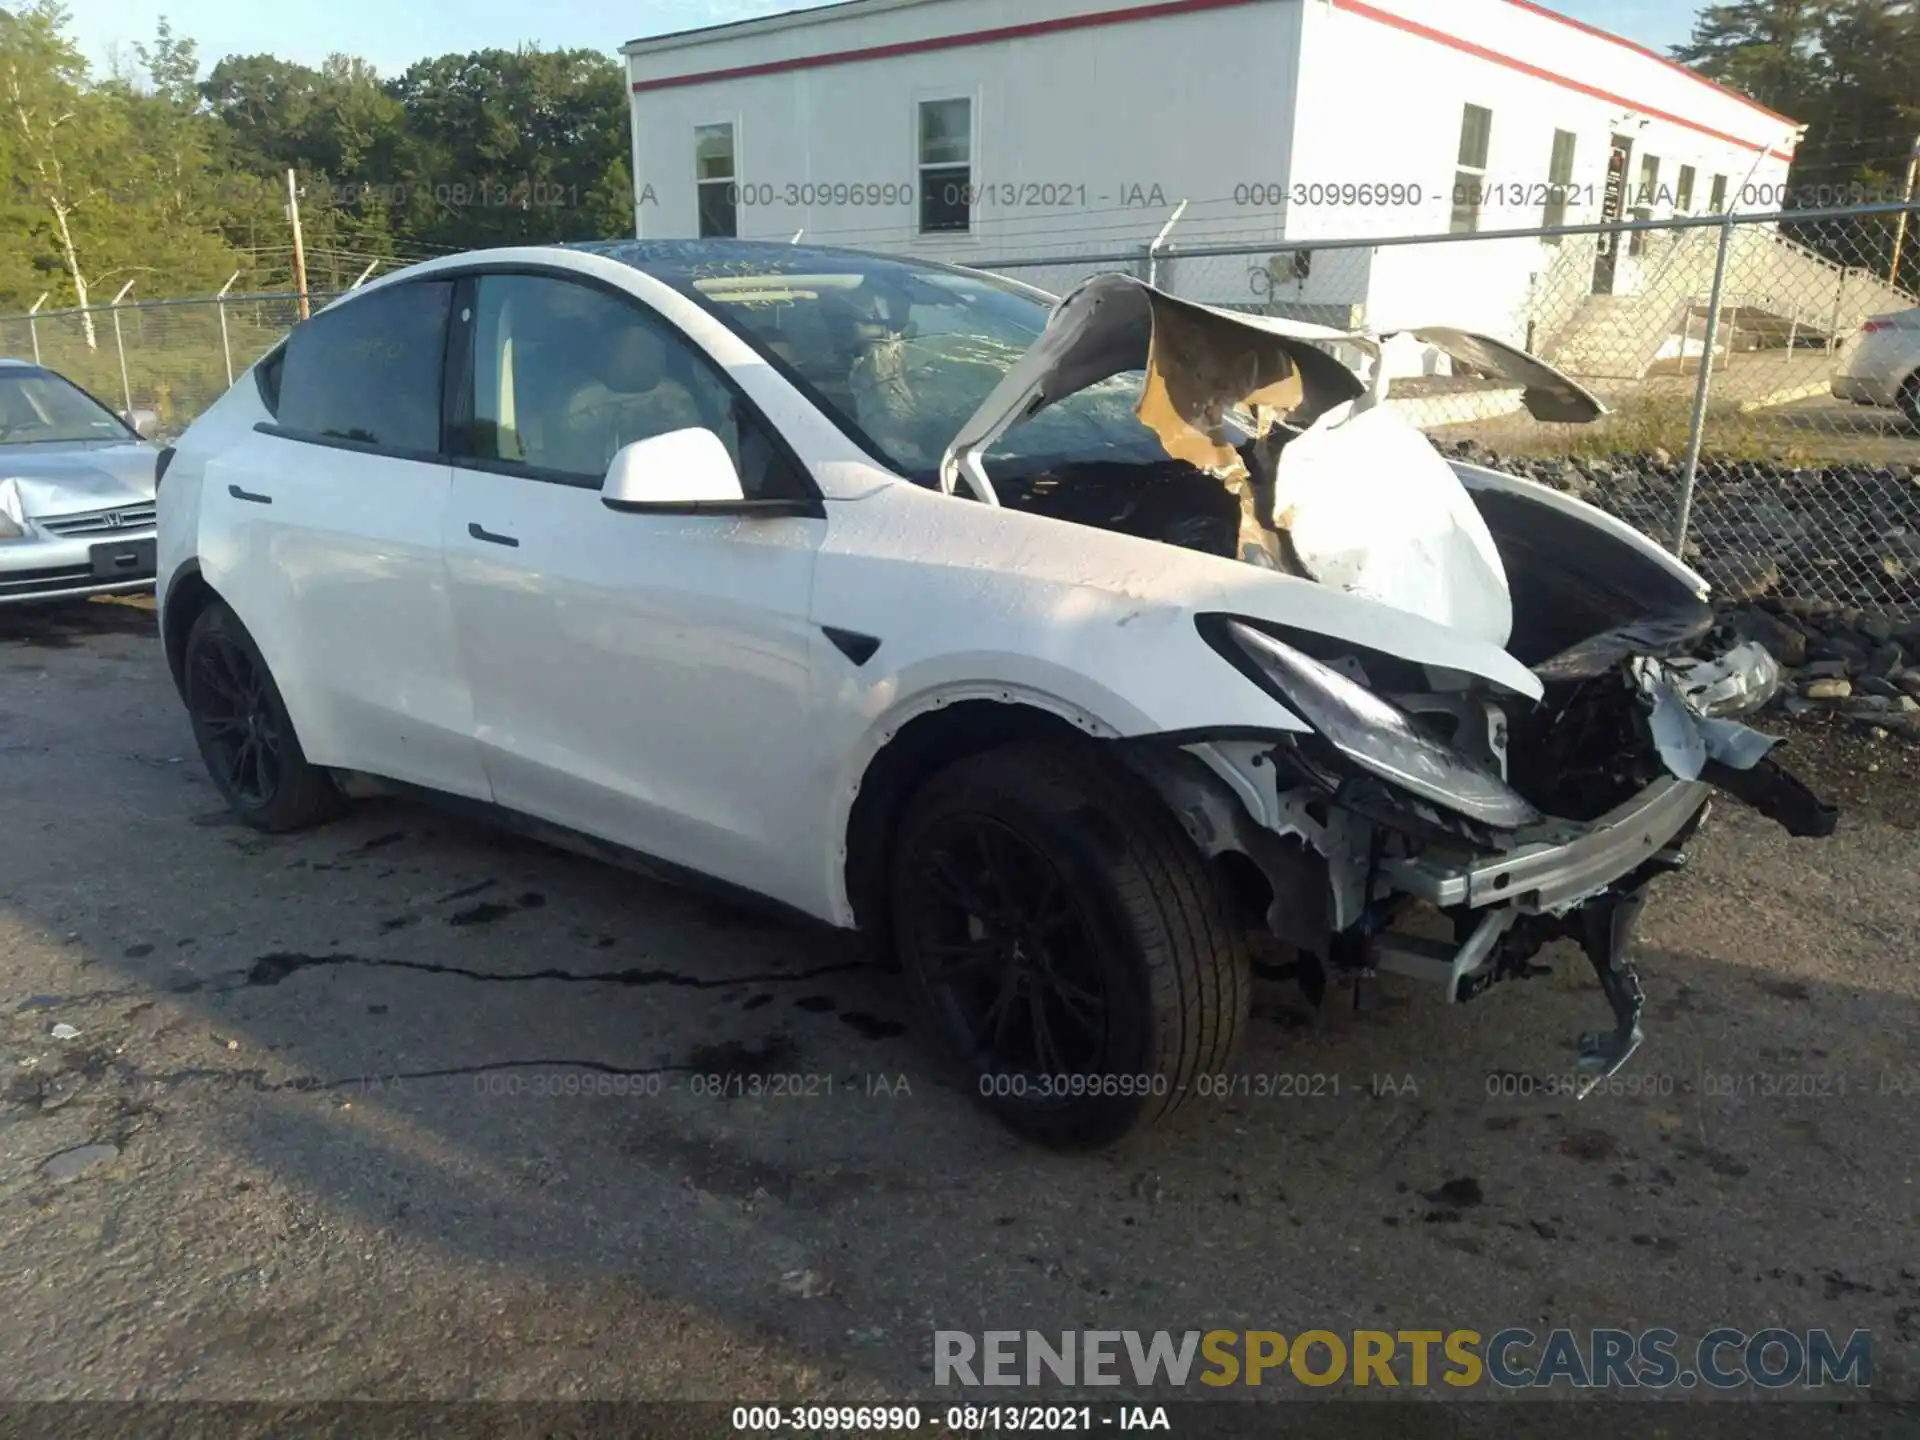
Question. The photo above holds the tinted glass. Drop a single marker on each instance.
(369, 368)
(564, 375)
(903, 354)
(38, 406)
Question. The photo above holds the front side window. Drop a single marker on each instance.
(1717, 202)
(564, 375)
(369, 369)
(946, 166)
(1559, 178)
(714, 180)
(37, 405)
(1683, 192)
(1470, 174)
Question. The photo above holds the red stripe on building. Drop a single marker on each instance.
(1594, 30)
(1480, 52)
(1171, 8)
(963, 40)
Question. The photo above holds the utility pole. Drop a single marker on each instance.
(299, 245)
(1900, 230)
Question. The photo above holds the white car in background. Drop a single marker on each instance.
(1881, 365)
(1087, 657)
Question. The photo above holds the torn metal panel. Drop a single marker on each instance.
(1209, 362)
(1687, 738)
(1548, 393)
(1370, 507)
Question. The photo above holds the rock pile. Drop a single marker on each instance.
(1820, 565)
(1844, 535)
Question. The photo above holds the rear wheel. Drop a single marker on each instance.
(1066, 944)
(244, 735)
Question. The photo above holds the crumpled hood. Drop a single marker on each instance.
(1344, 492)
(44, 481)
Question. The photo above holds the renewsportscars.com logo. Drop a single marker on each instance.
(1518, 1359)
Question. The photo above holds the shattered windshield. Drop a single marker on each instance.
(37, 405)
(903, 354)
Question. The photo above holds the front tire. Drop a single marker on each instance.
(1066, 945)
(245, 737)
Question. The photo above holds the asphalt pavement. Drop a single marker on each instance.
(406, 1108)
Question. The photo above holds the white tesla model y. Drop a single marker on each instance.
(1087, 656)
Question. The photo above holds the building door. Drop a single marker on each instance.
(1612, 205)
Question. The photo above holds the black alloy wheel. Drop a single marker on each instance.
(245, 737)
(1007, 952)
(1069, 951)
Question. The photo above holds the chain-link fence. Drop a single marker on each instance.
(173, 357)
(1762, 372)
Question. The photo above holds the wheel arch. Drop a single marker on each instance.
(187, 596)
(940, 733)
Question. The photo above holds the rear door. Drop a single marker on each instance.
(642, 677)
(322, 529)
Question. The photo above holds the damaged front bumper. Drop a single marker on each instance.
(1509, 892)
(1558, 863)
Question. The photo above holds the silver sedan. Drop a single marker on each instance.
(76, 491)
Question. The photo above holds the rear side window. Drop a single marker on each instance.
(369, 370)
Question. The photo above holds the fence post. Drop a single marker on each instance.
(33, 324)
(1839, 299)
(1702, 388)
(220, 305)
(1159, 241)
(120, 344)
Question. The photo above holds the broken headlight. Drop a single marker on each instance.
(1376, 736)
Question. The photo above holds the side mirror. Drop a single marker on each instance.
(681, 470)
(144, 423)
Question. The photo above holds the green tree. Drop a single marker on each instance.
(65, 139)
(1768, 49)
(515, 146)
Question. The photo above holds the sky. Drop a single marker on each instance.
(392, 35)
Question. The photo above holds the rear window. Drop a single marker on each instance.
(369, 370)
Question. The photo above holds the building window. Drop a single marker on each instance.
(1559, 179)
(946, 166)
(1718, 202)
(1469, 179)
(714, 180)
(1643, 201)
(1683, 192)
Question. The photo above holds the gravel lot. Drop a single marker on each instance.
(316, 1135)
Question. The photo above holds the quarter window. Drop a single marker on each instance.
(369, 368)
(564, 375)
(1470, 176)
(946, 166)
(715, 180)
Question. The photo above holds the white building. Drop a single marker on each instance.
(977, 130)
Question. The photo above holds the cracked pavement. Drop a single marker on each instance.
(408, 1108)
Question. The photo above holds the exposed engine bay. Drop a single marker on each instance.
(1409, 787)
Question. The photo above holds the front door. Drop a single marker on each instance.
(1612, 206)
(644, 678)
